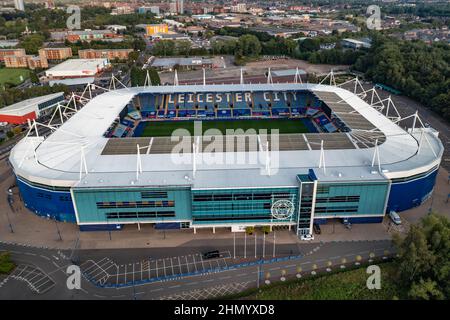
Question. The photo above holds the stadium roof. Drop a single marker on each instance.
(59, 156)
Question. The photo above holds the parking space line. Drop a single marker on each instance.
(171, 264)
(164, 264)
(201, 259)
(195, 263)
(187, 264)
(179, 265)
(150, 268)
(156, 262)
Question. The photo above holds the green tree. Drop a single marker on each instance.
(248, 45)
(425, 290)
(33, 77)
(183, 47)
(154, 76)
(164, 48)
(137, 76)
(32, 43)
(423, 264)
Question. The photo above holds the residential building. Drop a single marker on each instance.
(152, 29)
(111, 54)
(152, 9)
(26, 61)
(86, 35)
(177, 6)
(11, 52)
(56, 53)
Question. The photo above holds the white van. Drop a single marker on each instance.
(395, 217)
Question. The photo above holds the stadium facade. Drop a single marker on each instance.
(99, 171)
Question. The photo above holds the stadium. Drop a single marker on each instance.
(339, 154)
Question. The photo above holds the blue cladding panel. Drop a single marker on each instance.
(47, 203)
(409, 194)
(101, 227)
(366, 220)
(168, 226)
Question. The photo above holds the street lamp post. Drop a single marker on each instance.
(273, 255)
(245, 244)
(255, 244)
(264, 245)
(109, 228)
(9, 222)
(57, 229)
(234, 245)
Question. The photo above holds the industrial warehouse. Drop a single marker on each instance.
(121, 159)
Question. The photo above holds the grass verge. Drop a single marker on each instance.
(6, 265)
(339, 285)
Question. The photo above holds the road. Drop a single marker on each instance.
(52, 264)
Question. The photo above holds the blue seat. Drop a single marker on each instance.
(224, 113)
(241, 112)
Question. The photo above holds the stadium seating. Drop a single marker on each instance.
(259, 103)
(147, 102)
(227, 105)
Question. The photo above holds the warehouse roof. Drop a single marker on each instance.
(170, 62)
(78, 65)
(26, 106)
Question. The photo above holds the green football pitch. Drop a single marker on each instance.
(165, 128)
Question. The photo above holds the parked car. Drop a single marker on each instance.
(211, 254)
(307, 237)
(395, 217)
(347, 223)
(316, 228)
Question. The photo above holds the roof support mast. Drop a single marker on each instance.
(83, 164)
(148, 81)
(175, 78)
(138, 162)
(322, 158)
(204, 77)
(269, 77)
(297, 77)
(376, 155)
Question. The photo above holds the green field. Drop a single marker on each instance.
(165, 128)
(12, 76)
(347, 285)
